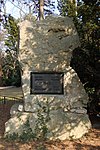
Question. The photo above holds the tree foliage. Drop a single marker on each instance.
(86, 59)
(67, 7)
(85, 13)
(39, 8)
(11, 69)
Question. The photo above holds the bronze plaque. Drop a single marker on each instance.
(47, 83)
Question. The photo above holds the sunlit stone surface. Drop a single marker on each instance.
(47, 46)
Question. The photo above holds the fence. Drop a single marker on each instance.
(6, 99)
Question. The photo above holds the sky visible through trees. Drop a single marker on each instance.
(16, 9)
(85, 13)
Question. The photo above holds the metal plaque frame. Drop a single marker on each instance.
(46, 83)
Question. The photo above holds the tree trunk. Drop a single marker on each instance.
(0, 71)
(74, 3)
(41, 9)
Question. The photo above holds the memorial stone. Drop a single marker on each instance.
(48, 81)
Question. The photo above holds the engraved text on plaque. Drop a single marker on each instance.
(46, 83)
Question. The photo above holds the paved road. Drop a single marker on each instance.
(11, 92)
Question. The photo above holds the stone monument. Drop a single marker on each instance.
(48, 81)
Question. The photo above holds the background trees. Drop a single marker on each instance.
(86, 59)
(0, 71)
(10, 65)
(2, 38)
(38, 8)
(0, 67)
(67, 7)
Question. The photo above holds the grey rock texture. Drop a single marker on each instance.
(47, 46)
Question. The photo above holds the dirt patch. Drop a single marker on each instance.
(4, 114)
(91, 141)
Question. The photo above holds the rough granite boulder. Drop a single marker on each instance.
(46, 46)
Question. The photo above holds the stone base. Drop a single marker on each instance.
(61, 125)
(15, 125)
(64, 125)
